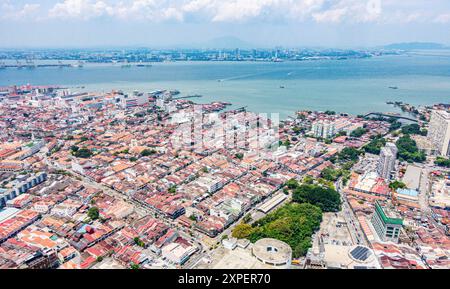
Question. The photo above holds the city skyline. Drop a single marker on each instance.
(186, 23)
(203, 135)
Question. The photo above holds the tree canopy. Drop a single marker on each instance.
(292, 184)
(84, 153)
(330, 174)
(395, 125)
(147, 152)
(375, 146)
(93, 213)
(349, 154)
(395, 185)
(242, 231)
(413, 129)
(325, 198)
(293, 223)
(359, 132)
(442, 162)
(408, 151)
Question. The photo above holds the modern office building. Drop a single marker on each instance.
(439, 132)
(386, 162)
(386, 224)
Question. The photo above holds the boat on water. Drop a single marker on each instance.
(393, 87)
(143, 65)
(79, 64)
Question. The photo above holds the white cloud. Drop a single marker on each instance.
(332, 15)
(79, 9)
(231, 11)
(353, 11)
(218, 10)
(11, 12)
(242, 10)
(151, 10)
(443, 18)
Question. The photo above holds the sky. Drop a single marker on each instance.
(185, 23)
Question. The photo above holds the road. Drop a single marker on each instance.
(350, 218)
(424, 190)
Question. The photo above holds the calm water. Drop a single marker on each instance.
(353, 86)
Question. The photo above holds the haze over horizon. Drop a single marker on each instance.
(196, 23)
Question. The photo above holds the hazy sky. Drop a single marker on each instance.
(264, 23)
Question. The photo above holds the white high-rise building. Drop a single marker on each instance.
(324, 129)
(439, 132)
(386, 163)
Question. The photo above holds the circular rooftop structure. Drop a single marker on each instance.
(273, 252)
(361, 254)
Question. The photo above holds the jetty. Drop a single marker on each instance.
(391, 116)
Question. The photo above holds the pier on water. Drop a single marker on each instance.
(391, 116)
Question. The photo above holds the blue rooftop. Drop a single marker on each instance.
(408, 192)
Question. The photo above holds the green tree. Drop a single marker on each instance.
(84, 153)
(395, 185)
(375, 146)
(147, 152)
(293, 223)
(139, 242)
(395, 125)
(413, 129)
(349, 154)
(173, 190)
(325, 198)
(442, 162)
(134, 266)
(292, 184)
(359, 132)
(297, 130)
(408, 151)
(247, 218)
(93, 213)
(330, 174)
(242, 231)
(308, 180)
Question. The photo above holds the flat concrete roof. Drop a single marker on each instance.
(272, 203)
(412, 177)
(7, 213)
(272, 250)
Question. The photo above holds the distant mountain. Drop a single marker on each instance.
(227, 42)
(415, 46)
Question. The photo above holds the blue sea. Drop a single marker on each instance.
(353, 86)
